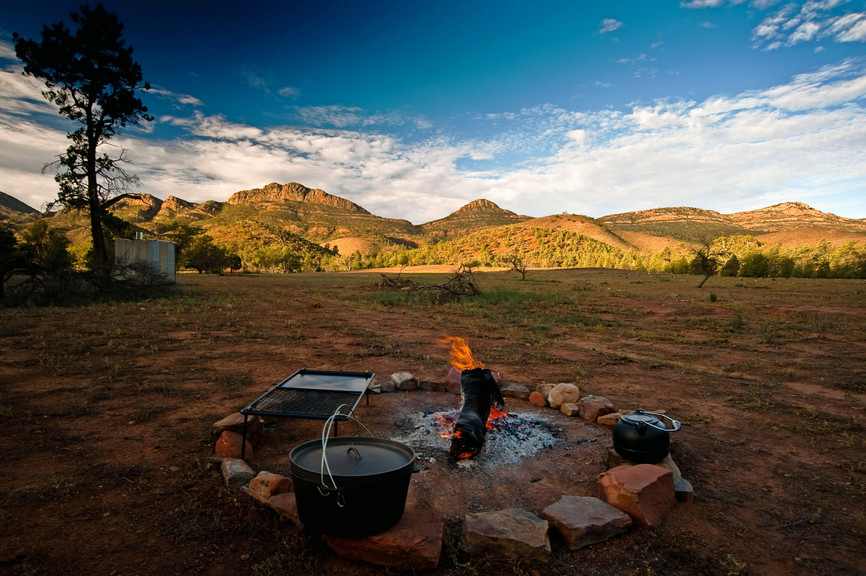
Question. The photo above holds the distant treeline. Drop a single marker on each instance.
(742, 256)
(257, 247)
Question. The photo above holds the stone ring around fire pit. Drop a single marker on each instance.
(559, 458)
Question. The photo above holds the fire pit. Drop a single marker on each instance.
(510, 438)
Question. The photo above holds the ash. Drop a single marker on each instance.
(510, 437)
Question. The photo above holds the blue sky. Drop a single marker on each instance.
(413, 109)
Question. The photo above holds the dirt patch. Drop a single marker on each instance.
(107, 413)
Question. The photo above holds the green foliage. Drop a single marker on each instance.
(91, 77)
(46, 248)
(203, 255)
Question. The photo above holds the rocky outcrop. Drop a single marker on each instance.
(293, 192)
(174, 204)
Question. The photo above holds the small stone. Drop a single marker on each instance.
(591, 407)
(538, 399)
(267, 484)
(388, 386)
(683, 490)
(544, 389)
(563, 393)
(404, 381)
(570, 409)
(236, 472)
(609, 420)
(510, 390)
(431, 385)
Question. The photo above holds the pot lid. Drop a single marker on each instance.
(641, 417)
(353, 456)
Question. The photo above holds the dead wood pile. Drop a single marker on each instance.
(460, 283)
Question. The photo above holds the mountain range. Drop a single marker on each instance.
(329, 220)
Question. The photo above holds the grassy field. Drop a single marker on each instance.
(107, 411)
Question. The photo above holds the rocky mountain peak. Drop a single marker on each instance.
(293, 192)
(175, 204)
(480, 207)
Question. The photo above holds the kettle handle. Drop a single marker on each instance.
(675, 423)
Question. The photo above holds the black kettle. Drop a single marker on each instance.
(641, 437)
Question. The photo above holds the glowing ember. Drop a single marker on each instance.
(461, 355)
(511, 438)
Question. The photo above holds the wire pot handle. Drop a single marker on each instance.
(675, 423)
(324, 489)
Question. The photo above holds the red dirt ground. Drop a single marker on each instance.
(107, 411)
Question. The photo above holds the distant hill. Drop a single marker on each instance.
(15, 210)
(309, 219)
(477, 214)
(787, 223)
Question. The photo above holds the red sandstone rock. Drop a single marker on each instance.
(452, 381)
(609, 419)
(267, 484)
(404, 381)
(512, 533)
(235, 423)
(582, 521)
(643, 491)
(228, 445)
(285, 505)
(591, 407)
(537, 399)
(431, 385)
(414, 543)
(511, 390)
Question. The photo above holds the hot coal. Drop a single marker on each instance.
(480, 393)
(510, 437)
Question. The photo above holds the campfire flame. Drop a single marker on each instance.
(461, 355)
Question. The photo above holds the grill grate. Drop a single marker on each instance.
(294, 403)
(315, 394)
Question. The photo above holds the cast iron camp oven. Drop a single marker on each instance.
(358, 489)
(641, 437)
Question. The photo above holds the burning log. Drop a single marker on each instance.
(480, 394)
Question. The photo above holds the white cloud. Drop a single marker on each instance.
(812, 21)
(801, 140)
(609, 25)
(7, 51)
(178, 100)
(849, 28)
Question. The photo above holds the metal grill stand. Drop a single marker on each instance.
(313, 394)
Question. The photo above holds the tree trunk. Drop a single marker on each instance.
(101, 265)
